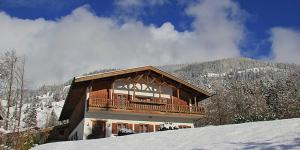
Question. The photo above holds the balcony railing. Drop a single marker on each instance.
(127, 105)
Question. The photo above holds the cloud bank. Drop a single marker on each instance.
(81, 41)
(285, 45)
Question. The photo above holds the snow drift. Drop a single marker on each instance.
(278, 134)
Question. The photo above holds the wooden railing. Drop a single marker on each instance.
(127, 105)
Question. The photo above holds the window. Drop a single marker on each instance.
(144, 128)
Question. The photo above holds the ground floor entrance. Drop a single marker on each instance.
(98, 129)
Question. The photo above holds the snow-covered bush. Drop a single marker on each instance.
(125, 131)
(167, 126)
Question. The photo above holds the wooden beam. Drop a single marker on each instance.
(152, 81)
(128, 79)
(128, 91)
(172, 102)
(139, 78)
(113, 90)
(159, 90)
(133, 96)
(178, 93)
(195, 99)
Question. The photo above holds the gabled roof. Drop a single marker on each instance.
(82, 81)
(131, 70)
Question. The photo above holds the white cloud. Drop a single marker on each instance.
(285, 45)
(82, 42)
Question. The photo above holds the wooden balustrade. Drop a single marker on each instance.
(127, 105)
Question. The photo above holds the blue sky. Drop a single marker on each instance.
(166, 31)
(262, 16)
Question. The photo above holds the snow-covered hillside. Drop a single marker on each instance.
(279, 134)
(43, 110)
(46, 102)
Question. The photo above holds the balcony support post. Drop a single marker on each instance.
(159, 90)
(113, 92)
(128, 92)
(178, 93)
(87, 95)
(172, 102)
(133, 95)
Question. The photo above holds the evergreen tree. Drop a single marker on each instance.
(30, 118)
(53, 120)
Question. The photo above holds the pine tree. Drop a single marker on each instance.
(31, 116)
(53, 120)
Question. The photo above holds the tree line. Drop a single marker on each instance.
(19, 105)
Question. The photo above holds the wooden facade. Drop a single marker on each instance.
(137, 91)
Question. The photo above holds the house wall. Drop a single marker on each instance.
(77, 133)
(100, 89)
(82, 121)
(77, 115)
(130, 119)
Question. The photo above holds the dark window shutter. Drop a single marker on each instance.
(157, 127)
(129, 126)
(151, 128)
(136, 128)
(114, 128)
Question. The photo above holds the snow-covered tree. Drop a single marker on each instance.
(30, 118)
(53, 119)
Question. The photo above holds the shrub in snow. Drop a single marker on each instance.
(125, 131)
(167, 126)
(28, 141)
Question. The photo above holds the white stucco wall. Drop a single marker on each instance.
(79, 129)
(131, 119)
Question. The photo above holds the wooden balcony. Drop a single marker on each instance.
(109, 104)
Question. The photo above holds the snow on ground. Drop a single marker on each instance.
(279, 134)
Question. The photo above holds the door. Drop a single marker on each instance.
(99, 129)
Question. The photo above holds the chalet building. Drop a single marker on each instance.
(140, 99)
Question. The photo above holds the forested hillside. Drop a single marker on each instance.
(244, 89)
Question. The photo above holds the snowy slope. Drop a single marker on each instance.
(45, 104)
(279, 134)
